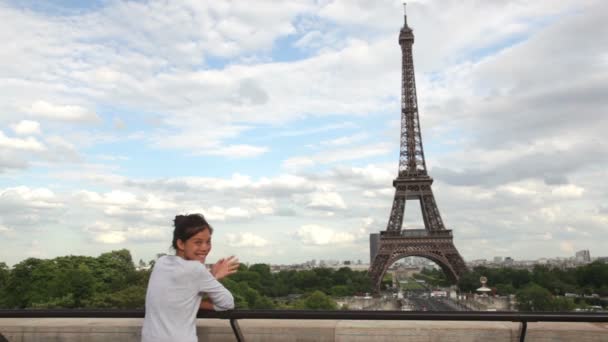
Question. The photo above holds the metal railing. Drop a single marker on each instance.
(233, 316)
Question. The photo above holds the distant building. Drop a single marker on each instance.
(509, 261)
(602, 259)
(374, 241)
(497, 259)
(583, 256)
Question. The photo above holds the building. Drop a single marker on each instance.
(583, 256)
(374, 241)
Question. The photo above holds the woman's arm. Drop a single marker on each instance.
(219, 297)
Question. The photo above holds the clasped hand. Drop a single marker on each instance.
(225, 267)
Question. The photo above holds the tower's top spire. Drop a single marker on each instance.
(406, 34)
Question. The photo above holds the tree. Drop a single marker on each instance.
(28, 283)
(534, 298)
(505, 289)
(563, 304)
(4, 275)
(469, 282)
(263, 302)
(132, 297)
(317, 301)
(115, 270)
(266, 278)
(594, 275)
(306, 280)
(253, 279)
(78, 282)
(340, 291)
(341, 276)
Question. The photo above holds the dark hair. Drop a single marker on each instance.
(186, 226)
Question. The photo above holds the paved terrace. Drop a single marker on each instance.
(300, 327)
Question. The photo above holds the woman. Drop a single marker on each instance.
(179, 281)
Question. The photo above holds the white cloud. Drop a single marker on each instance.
(345, 141)
(5, 230)
(148, 234)
(368, 176)
(235, 151)
(114, 197)
(246, 239)
(264, 206)
(217, 213)
(9, 160)
(337, 155)
(311, 234)
(126, 205)
(116, 233)
(106, 233)
(26, 127)
(326, 200)
(27, 144)
(368, 193)
(568, 191)
(297, 163)
(369, 225)
(113, 237)
(44, 109)
(40, 198)
(517, 190)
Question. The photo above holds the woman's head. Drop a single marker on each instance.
(192, 237)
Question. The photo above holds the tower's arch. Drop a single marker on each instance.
(435, 257)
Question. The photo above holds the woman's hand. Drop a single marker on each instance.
(225, 267)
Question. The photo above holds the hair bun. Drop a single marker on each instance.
(179, 219)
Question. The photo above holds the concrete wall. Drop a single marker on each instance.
(128, 330)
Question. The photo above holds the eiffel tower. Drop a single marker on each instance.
(434, 242)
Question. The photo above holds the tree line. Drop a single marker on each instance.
(111, 280)
(542, 288)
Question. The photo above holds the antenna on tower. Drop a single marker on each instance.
(404, 15)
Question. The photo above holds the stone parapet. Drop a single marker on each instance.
(266, 330)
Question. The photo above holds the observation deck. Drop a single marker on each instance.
(421, 233)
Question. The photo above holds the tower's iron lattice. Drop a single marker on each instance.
(434, 242)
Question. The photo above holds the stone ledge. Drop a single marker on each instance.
(128, 330)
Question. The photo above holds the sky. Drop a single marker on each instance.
(279, 122)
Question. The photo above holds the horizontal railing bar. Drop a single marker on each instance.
(321, 315)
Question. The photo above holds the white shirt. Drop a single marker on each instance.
(174, 296)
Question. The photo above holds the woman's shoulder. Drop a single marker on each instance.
(179, 265)
(191, 265)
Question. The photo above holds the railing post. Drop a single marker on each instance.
(522, 331)
(237, 330)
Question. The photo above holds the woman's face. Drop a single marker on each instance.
(197, 247)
